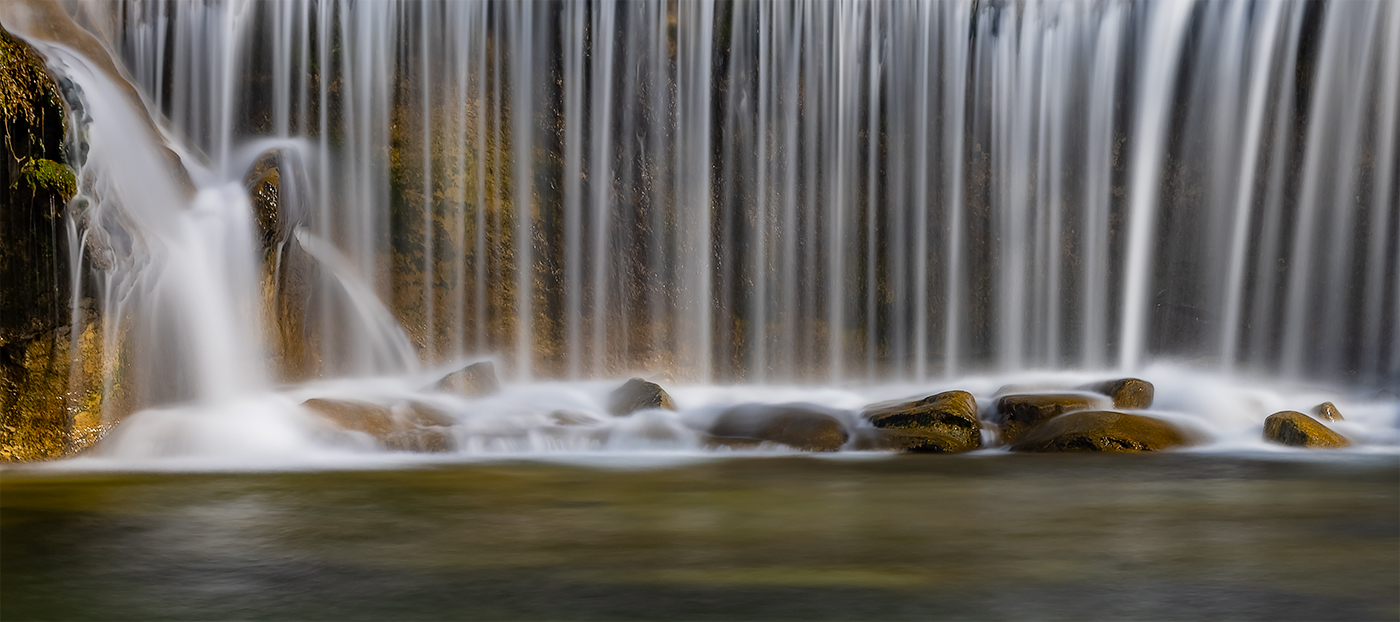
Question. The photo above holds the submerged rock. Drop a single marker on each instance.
(1017, 415)
(1328, 411)
(475, 380)
(800, 426)
(1103, 431)
(942, 423)
(403, 427)
(638, 394)
(1299, 430)
(1132, 393)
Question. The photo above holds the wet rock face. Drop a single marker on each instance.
(475, 380)
(1130, 393)
(637, 395)
(1328, 411)
(401, 427)
(1103, 431)
(800, 426)
(942, 423)
(1296, 429)
(1017, 415)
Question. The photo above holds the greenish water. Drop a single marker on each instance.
(1173, 536)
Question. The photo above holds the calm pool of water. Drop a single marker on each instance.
(1171, 536)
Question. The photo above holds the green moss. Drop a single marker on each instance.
(40, 175)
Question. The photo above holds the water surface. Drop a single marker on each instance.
(1171, 536)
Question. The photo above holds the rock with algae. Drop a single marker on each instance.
(1104, 431)
(638, 394)
(1017, 415)
(401, 427)
(942, 423)
(475, 380)
(1131, 393)
(1328, 411)
(1299, 430)
(801, 426)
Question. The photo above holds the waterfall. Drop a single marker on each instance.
(808, 191)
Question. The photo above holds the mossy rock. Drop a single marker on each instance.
(638, 394)
(942, 423)
(39, 176)
(1327, 411)
(800, 426)
(475, 380)
(1296, 429)
(402, 427)
(1130, 393)
(1017, 415)
(26, 88)
(1103, 431)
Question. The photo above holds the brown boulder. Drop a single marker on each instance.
(1328, 411)
(800, 426)
(403, 427)
(1299, 430)
(1019, 414)
(638, 394)
(1103, 431)
(942, 423)
(475, 380)
(1132, 393)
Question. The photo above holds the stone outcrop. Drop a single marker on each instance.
(1103, 431)
(800, 426)
(638, 394)
(1296, 429)
(942, 423)
(475, 380)
(1327, 411)
(411, 426)
(1016, 415)
(51, 358)
(1129, 393)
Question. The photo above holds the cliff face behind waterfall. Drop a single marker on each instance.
(812, 192)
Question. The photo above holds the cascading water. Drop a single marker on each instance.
(845, 193)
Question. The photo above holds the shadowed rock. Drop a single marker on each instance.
(1328, 411)
(1017, 415)
(1299, 430)
(475, 380)
(942, 423)
(1132, 393)
(402, 427)
(638, 394)
(800, 426)
(1103, 431)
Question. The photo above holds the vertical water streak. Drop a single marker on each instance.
(1382, 204)
(1261, 63)
(1321, 167)
(601, 179)
(573, 170)
(759, 270)
(1161, 54)
(955, 55)
(426, 59)
(695, 25)
(522, 160)
(924, 66)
